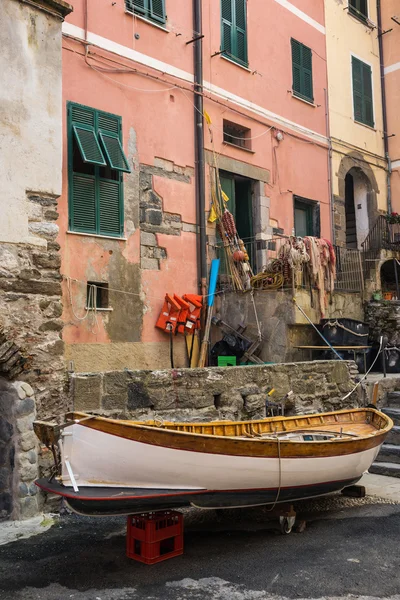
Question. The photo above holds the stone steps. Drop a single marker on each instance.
(393, 400)
(389, 453)
(385, 468)
(393, 413)
(394, 436)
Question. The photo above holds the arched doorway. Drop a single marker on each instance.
(388, 277)
(356, 207)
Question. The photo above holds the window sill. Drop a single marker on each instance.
(364, 21)
(238, 147)
(234, 62)
(146, 20)
(109, 309)
(309, 102)
(370, 127)
(97, 235)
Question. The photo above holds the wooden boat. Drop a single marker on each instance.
(109, 466)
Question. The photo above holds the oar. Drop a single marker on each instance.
(210, 304)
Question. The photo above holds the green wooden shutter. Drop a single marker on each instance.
(240, 30)
(368, 111)
(307, 83)
(296, 66)
(88, 145)
(110, 208)
(157, 10)
(227, 26)
(357, 89)
(136, 6)
(83, 206)
(114, 152)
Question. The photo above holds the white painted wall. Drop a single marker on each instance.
(30, 114)
(361, 208)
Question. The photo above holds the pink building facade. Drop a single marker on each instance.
(128, 216)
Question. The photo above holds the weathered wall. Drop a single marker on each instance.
(282, 324)
(384, 320)
(214, 393)
(30, 291)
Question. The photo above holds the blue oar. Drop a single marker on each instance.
(210, 304)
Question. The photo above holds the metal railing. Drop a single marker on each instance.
(349, 270)
(382, 236)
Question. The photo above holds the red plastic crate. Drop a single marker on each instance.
(153, 537)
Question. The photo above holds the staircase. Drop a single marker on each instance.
(388, 460)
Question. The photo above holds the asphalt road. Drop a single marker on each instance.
(234, 556)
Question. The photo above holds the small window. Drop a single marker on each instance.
(359, 9)
(302, 71)
(151, 9)
(362, 92)
(97, 295)
(234, 30)
(306, 217)
(237, 135)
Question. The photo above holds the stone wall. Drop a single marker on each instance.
(18, 451)
(384, 320)
(214, 393)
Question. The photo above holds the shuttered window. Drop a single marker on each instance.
(234, 30)
(96, 162)
(359, 8)
(151, 9)
(302, 71)
(362, 92)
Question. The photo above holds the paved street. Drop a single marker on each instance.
(228, 556)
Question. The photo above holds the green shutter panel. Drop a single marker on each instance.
(357, 89)
(157, 10)
(137, 6)
(240, 30)
(364, 7)
(81, 114)
(307, 83)
(110, 211)
(114, 152)
(296, 66)
(83, 209)
(226, 26)
(88, 145)
(368, 115)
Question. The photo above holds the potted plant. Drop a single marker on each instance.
(377, 296)
(393, 221)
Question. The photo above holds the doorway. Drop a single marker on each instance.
(240, 193)
(356, 208)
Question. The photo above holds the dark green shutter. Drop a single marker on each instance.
(83, 208)
(110, 217)
(362, 92)
(227, 17)
(233, 29)
(88, 145)
(367, 90)
(302, 70)
(359, 8)
(137, 6)
(114, 152)
(157, 10)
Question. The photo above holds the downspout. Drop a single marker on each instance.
(199, 146)
(330, 180)
(384, 113)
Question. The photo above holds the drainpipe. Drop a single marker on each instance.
(199, 146)
(384, 113)
(330, 181)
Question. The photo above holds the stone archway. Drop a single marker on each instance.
(356, 205)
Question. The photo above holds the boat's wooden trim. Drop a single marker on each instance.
(222, 437)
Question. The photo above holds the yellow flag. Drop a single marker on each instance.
(207, 117)
(213, 215)
(225, 198)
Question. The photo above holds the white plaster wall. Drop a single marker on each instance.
(30, 114)
(360, 200)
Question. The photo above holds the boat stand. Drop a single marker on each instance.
(287, 518)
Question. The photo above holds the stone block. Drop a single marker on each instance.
(148, 239)
(160, 253)
(231, 400)
(115, 401)
(44, 230)
(27, 471)
(51, 215)
(28, 389)
(138, 396)
(115, 382)
(54, 325)
(31, 286)
(249, 389)
(190, 398)
(25, 407)
(87, 390)
(27, 441)
(46, 260)
(23, 490)
(255, 403)
(8, 261)
(189, 228)
(162, 163)
(28, 507)
(150, 264)
(6, 430)
(153, 216)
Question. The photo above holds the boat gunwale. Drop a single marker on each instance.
(141, 425)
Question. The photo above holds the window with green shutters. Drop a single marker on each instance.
(234, 30)
(151, 9)
(302, 71)
(359, 8)
(96, 162)
(362, 92)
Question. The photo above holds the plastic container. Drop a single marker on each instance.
(153, 537)
(344, 332)
(227, 361)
